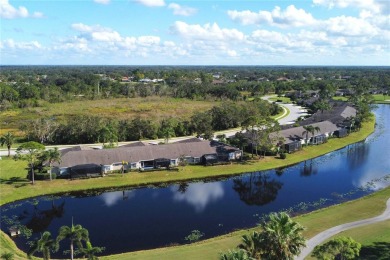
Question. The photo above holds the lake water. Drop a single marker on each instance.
(143, 218)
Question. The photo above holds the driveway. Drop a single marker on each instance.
(324, 235)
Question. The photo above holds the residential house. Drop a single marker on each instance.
(145, 157)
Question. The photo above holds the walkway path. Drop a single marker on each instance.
(324, 235)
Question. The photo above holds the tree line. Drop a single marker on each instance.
(95, 129)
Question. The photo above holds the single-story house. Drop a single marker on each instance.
(142, 157)
(294, 137)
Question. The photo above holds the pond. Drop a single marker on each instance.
(143, 218)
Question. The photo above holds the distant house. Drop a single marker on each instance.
(142, 157)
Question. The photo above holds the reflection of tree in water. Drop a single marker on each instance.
(182, 187)
(41, 219)
(258, 189)
(357, 154)
(308, 169)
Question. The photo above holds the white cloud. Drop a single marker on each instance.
(350, 26)
(207, 32)
(291, 16)
(11, 44)
(103, 2)
(7, 11)
(151, 3)
(199, 195)
(182, 10)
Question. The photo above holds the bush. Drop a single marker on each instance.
(282, 155)
(44, 176)
(194, 236)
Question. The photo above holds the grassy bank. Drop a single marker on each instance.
(14, 185)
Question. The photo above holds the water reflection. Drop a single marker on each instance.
(198, 195)
(259, 189)
(308, 169)
(357, 155)
(112, 198)
(41, 218)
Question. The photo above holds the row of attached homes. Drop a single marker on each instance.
(138, 156)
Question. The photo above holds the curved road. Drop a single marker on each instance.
(295, 111)
(324, 235)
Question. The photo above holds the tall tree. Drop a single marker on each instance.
(253, 244)
(235, 255)
(8, 140)
(43, 245)
(342, 248)
(310, 129)
(75, 234)
(30, 152)
(90, 251)
(284, 237)
(52, 155)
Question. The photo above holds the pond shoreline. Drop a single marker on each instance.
(185, 174)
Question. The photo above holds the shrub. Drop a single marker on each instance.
(282, 155)
(194, 236)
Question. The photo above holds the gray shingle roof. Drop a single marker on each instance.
(295, 133)
(142, 153)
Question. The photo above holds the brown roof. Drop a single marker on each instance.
(142, 153)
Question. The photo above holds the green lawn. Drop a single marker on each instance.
(283, 99)
(373, 238)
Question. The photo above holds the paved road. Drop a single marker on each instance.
(295, 112)
(324, 235)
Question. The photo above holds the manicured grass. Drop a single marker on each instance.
(340, 98)
(368, 236)
(283, 99)
(381, 99)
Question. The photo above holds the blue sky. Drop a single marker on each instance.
(185, 32)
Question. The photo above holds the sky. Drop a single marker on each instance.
(185, 32)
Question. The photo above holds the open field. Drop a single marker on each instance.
(154, 108)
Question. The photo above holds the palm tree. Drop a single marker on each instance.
(253, 244)
(90, 251)
(75, 234)
(43, 245)
(8, 139)
(30, 152)
(235, 255)
(310, 129)
(283, 237)
(53, 155)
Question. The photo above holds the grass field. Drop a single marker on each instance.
(378, 98)
(283, 99)
(154, 108)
